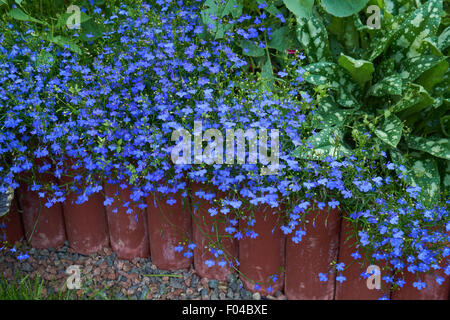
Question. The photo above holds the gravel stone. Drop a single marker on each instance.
(27, 267)
(194, 280)
(246, 295)
(234, 286)
(230, 294)
(204, 292)
(213, 284)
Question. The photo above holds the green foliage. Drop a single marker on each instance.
(300, 8)
(343, 8)
(395, 78)
(392, 82)
(49, 21)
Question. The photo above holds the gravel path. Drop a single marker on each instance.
(121, 279)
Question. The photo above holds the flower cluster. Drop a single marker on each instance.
(108, 115)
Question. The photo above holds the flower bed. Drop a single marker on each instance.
(157, 103)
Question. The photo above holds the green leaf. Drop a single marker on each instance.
(423, 23)
(430, 78)
(360, 70)
(444, 39)
(343, 8)
(18, 14)
(233, 7)
(63, 42)
(390, 131)
(422, 172)
(91, 28)
(329, 114)
(279, 41)
(267, 75)
(300, 8)
(444, 86)
(328, 142)
(337, 79)
(438, 147)
(447, 176)
(391, 85)
(313, 36)
(414, 67)
(3, 2)
(413, 95)
(251, 49)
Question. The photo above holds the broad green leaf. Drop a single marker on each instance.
(280, 40)
(329, 114)
(444, 39)
(360, 70)
(234, 7)
(383, 40)
(438, 147)
(18, 14)
(300, 8)
(420, 25)
(337, 79)
(430, 78)
(65, 42)
(391, 85)
(447, 176)
(313, 36)
(91, 31)
(422, 172)
(414, 67)
(412, 95)
(343, 8)
(251, 49)
(444, 86)
(390, 131)
(267, 75)
(328, 142)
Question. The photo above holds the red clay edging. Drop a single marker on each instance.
(13, 223)
(264, 256)
(312, 255)
(202, 224)
(355, 287)
(169, 225)
(127, 232)
(44, 227)
(86, 225)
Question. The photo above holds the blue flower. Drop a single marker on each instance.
(341, 278)
(210, 263)
(419, 285)
(323, 277)
(23, 256)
